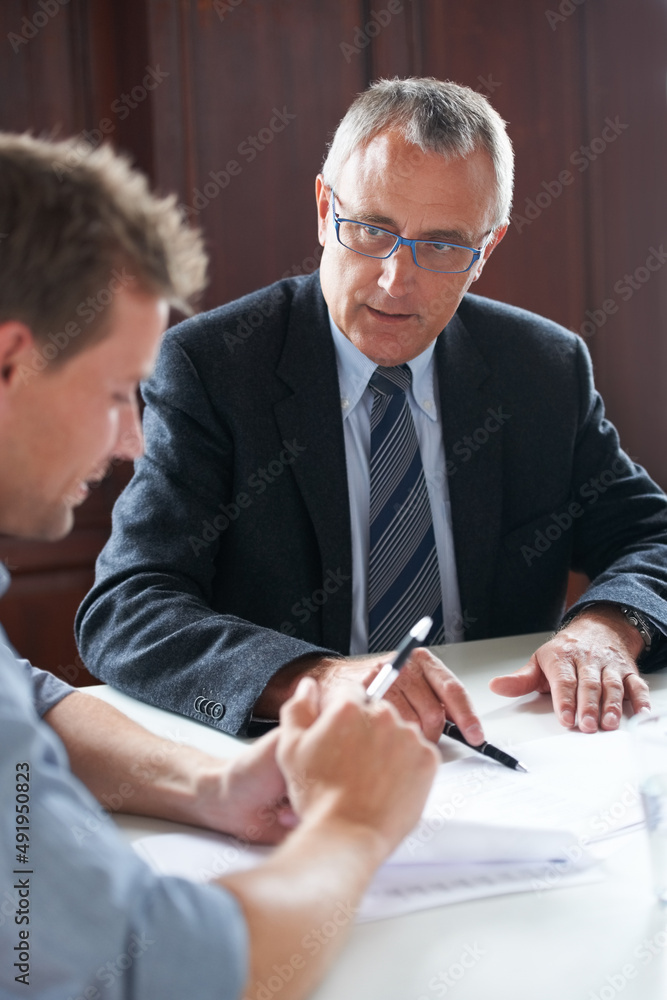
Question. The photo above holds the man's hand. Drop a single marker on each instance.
(247, 796)
(353, 763)
(589, 668)
(131, 770)
(425, 692)
(358, 777)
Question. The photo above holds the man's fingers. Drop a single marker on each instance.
(602, 691)
(636, 690)
(400, 700)
(425, 692)
(457, 703)
(524, 680)
(436, 694)
(286, 817)
(303, 708)
(560, 671)
(611, 707)
(263, 750)
(588, 680)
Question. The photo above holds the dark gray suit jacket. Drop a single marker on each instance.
(230, 553)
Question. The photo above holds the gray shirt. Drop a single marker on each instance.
(80, 914)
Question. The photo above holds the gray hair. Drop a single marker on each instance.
(74, 219)
(438, 116)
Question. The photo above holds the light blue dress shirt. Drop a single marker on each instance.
(99, 924)
(356, 400)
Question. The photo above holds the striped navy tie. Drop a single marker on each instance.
(403, 575)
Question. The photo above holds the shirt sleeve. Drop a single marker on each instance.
(47, 689)
(82, 915)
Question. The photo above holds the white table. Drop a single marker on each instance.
(590, 942)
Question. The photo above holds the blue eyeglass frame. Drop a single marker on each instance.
(402, 241)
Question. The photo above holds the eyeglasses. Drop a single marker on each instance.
(371, 241)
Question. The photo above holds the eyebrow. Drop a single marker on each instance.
(431, 236)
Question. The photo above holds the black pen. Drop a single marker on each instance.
(485, 748)
(415, 637)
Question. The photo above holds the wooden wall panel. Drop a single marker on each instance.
(229, 66)
(532, 76)
(390, 38)
(40, 82)
(627, 215)
(228, 78)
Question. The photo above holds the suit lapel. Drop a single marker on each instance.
(312, 415)
(473, 452)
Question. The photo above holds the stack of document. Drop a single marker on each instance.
(486, 830)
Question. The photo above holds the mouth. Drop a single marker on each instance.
(82, 489)
(390, 317)
(78, 494)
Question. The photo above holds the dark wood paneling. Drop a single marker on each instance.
(40, 82)
(626, 46)
(532, 76)
(38, 615)
(49, 581)
(228, 77)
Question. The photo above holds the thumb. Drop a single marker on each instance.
(522, 681)
(264, 749)
(287, 818)
(303, 708)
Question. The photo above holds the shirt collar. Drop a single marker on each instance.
(355, 369)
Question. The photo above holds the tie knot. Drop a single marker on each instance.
(388, 380)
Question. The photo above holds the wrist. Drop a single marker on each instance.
(284, 682)
(189, 789)
(336, 832)
(650, 633)
(209, 799)
(611, 616)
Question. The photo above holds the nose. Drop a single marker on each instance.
(130, 442)
(398, 273)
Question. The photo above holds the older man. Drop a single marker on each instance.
(332, 457)
(81, 915)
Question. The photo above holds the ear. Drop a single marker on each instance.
(489, 248)
(16, 344)
(323, 198)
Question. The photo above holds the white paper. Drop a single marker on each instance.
(394, 892)
(396, 889)
(485, 830)
(199, 857)
(580, 782)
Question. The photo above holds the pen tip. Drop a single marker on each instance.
(521, 767)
